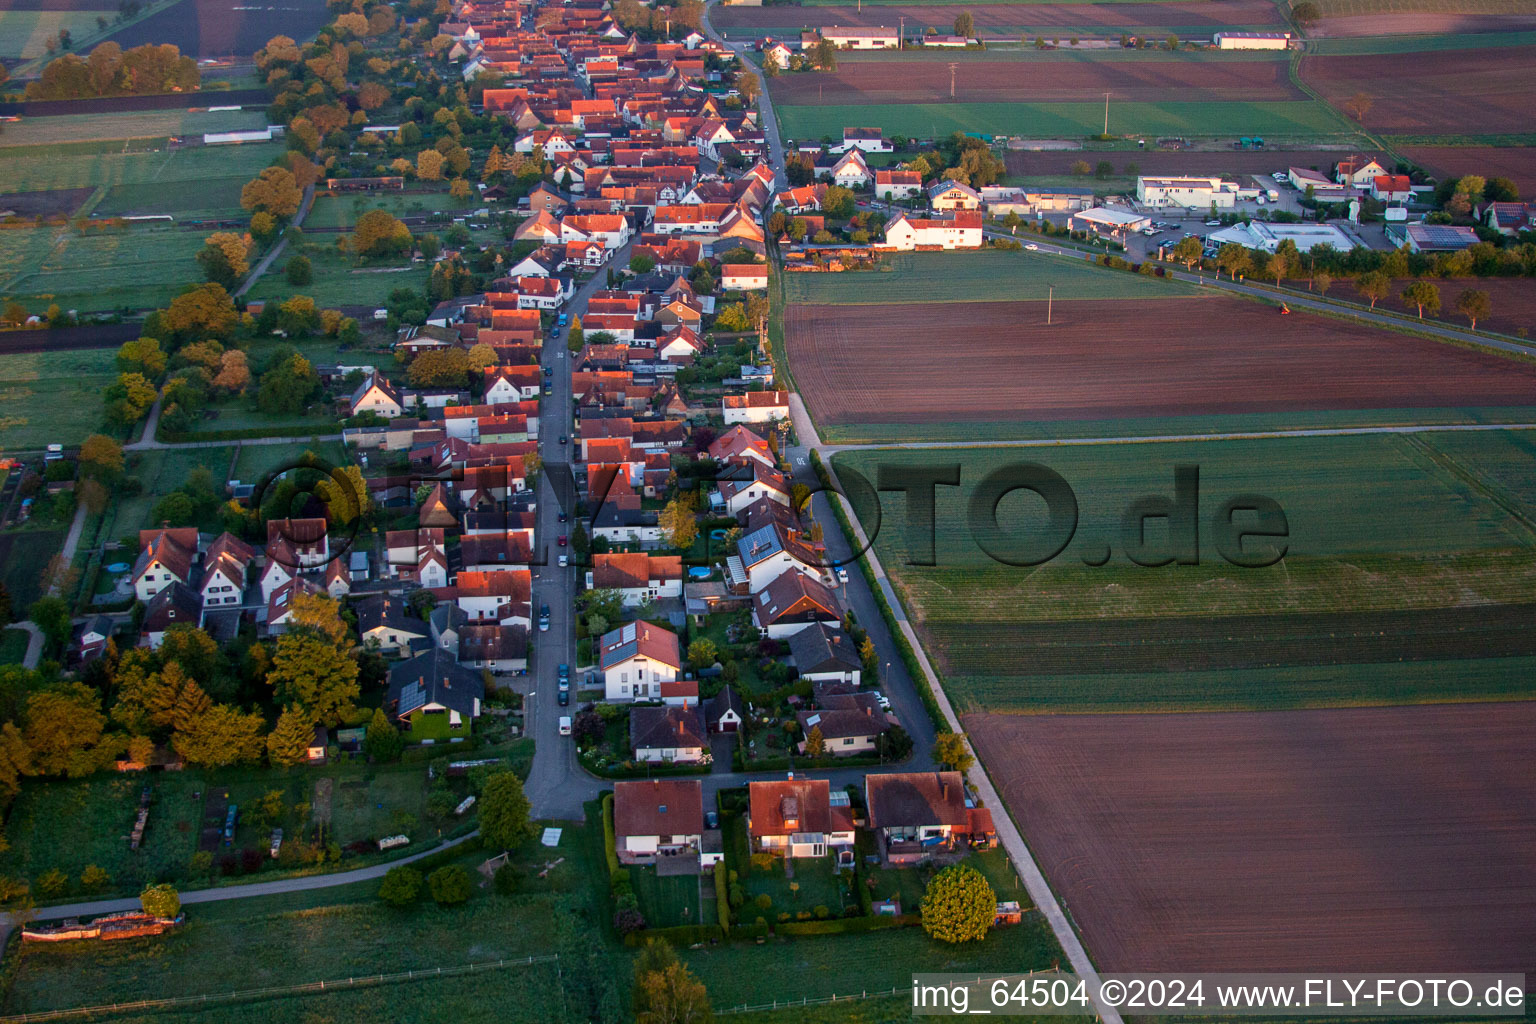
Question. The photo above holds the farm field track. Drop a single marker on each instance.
(1339, 840)
(1264, 80)
(1300, 119)
(1517, 163)
(1434, 92)
(1058, 162)
(215, 28)
(1110, 16)
(1105, 359)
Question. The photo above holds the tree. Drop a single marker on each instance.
(748, 86)
(1173, 41)
(1283, 261)
(429, 165)
(1306, 13)
(824, 55)
(642, 263)
(1081, 168)
(1358, 105)
(1501, 190)
(299, 271)
(206, 310)
(52, 616)
(1103, 170)
(1322, 281)
(678, 521)
(64, 727)
(15, 761)
(1188, 252)
(504, 822)
(443, 367)
(671, 995)
(815, 742)
(288, 386)
(101, 457)
(382, 742)
(234, 374)
(459, 189)
(702, 652)
(222, 736)
(401, 886)
(379, 233)
(1373, 286)
(288, 743)
(94, 878)
(274, 190)
(495, 166)
(1423, 295)
(161, 900)
(1474, 304)
(449, 885)
(958, 905)
(965, 25)
(839, 202)
(143, 356)
(950, 751)
(224, 258)
(1234, 259)
(313, 667)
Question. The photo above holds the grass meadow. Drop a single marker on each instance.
(52, 398)
(138, 124)
(983, 275)
(342, 211)
(1273, 120)
(1388, 535)
(118, 161)
(25, 34)
(133, 267)
(207, 198)
(337, 282)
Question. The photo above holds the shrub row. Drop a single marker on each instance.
(722, 897)
(175, 437)
(610, 840)
(681, 935)
(848, 925)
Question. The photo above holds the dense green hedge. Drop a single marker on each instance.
(722, 897)
(846, 925)
(682, 935)
(174, 437)
(618, 771)
(610, 841)
(903, 648)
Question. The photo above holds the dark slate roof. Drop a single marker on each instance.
(433, 677)
(819, 649)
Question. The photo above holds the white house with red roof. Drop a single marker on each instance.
(636, 659)
(741, 277)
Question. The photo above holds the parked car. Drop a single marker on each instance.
(1032, 247)
(711, 819)
(842, 575)
(563, 699)
(563, 540)
(565, 725)
(563, 671)
(563, 517)
(564, 439)
(564, 561)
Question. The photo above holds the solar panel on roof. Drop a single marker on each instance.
(411, 697)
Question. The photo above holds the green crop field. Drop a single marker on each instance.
(76, 165)
(985, 275)
(139, 124)
(134, 268)
(1276, 120)
(53, 398)
(337, 282)
(25, 34)
(1345, 8)
(1355, 45)
(204, 198)
(1392, 539)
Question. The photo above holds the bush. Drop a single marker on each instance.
(848, 925)
(401, 886)
(161, 900)
(821, 912)
(507, 879)
(610, 841)
(682, 935)
(450, 885)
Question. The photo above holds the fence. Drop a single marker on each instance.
(251, 995)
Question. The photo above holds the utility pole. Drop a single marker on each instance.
(901, 32)
(1050, 296)
(1106, 113)
(952, 68)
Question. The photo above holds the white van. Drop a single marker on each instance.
(565, 725)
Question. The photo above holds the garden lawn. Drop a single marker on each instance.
(24, 556)
(162, 471)
(13, 646)
(343, 211)
(1280, 119)
(819, 886)
(668, 901)
(821, 966)
(75, 165)
(977, 276)
(52, 398)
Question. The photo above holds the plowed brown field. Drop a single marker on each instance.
(1517, 163)
(1152, 81)
(1435, 92)
(1109, 16)
(998, 361)
(1372, 839)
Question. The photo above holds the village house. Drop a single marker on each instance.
(1358, 172)
(739, 486)
(736, 277)
(755, 407)
(739, 445)
(657, 818)
(824, 653)
(635, 659)
(850, 170)
(867, 140)
(766, 553)
(798, 818)
(854, 37)
(376, 395)
(793, 602)
(174, 604)
(951, 195)
(384, 624)
(915, 815)
(959, 230)
(898, 184)
(433, 697)
(723, 711)
(668, 734)
(639, 577)
(167, 557)
(225, 568)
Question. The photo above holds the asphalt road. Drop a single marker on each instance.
(769, 120)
